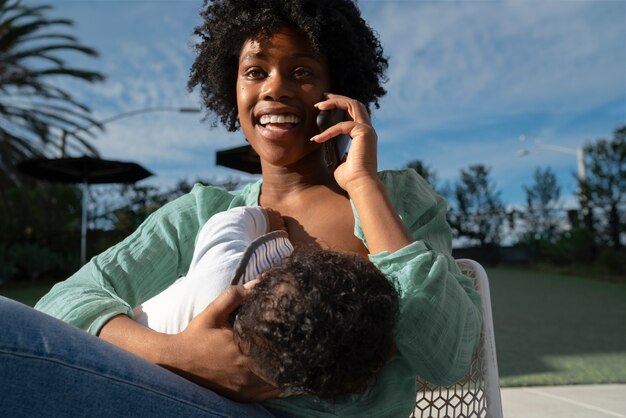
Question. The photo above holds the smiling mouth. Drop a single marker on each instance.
(279, 121)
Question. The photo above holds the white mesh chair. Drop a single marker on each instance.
(477, 395)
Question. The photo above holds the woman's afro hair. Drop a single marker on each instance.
(334, 28)
(322, 324)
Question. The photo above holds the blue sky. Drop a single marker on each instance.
(466, 79)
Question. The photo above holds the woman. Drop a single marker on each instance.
(269, 67)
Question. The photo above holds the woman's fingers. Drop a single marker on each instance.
(207, 353)
(361, 162)
(355, 109)
(212, 358)
(352, 129)
(250, 285)
(216, 314)
(357, 124)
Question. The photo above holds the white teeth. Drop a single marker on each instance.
(265, 119)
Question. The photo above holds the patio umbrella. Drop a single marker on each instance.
(241, 158)
(85, 171)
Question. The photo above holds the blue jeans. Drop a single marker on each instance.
(49, 368)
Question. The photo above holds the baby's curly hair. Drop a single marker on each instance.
(334, 28)
(322, 324)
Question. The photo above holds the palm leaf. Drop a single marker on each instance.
(33, 110)
(38, 52)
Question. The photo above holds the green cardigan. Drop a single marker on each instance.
(440, 312)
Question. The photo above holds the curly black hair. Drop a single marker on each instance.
(334, 28)
(322, 324)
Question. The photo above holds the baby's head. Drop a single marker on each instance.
(322, 324)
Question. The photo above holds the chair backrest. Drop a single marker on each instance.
(477, 395)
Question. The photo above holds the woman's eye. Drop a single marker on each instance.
(254, 74)
(302, 73)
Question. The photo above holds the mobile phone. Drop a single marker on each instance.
(338, 150)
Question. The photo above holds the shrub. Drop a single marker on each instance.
(571, 246)
(612, 261)
(33, 260)
(7, 264)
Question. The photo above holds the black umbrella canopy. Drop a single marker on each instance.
(240, 158)
(83, 169)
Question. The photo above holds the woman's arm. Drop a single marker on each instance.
(358, 175)
(382, 227)
(440, 320)
(143, 264)
(204, 353)
(403, 223)
(99, 298)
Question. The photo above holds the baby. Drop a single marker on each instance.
(317, 323)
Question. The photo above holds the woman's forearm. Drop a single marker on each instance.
(205, 352)
(139, 340)
(382, 227)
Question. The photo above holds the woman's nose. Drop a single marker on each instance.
(277, 88)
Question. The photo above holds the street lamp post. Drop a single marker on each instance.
(582, 174)
(100, 124)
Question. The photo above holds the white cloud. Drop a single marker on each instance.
(453, 62)
(466, 78)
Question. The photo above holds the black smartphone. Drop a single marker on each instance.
(340, 144)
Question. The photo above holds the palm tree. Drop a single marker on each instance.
(34, 112)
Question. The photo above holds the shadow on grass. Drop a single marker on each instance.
(553, 329)
(26, 292)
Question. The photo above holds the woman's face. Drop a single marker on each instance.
(279, 80)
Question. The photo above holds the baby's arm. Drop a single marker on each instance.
(219, 246)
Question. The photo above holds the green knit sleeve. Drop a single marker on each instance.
(139, 267)
(440, 311)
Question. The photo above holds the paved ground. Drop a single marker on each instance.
(580, 401)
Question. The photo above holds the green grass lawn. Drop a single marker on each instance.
(553, 329)
(550, 329)
(27, 292)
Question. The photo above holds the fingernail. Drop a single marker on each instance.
(249, 285)
(313, 138)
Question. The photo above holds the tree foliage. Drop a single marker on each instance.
(120, 209)
(430, 175)
(33, 110)
(478, 214)
(542, 201)
(39, 230)
(424, 170)
(605, 186)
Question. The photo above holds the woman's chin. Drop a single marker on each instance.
(285, 150)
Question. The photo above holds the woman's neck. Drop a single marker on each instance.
(282, 184)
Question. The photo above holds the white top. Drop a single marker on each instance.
(232, 247)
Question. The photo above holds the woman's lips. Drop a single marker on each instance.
(277, 124)
(276, 130)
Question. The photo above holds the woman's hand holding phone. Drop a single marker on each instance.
(361, 162)
(358, 175)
